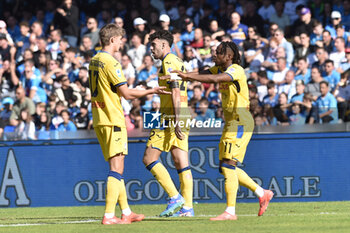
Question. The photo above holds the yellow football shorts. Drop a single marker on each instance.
(165, 139)
(113, 140)
(234, 141)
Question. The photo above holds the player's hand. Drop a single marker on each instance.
(178, 133)
(161, 91)
(182, 75)
(165, 77)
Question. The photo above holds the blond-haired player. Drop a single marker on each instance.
(108, 85)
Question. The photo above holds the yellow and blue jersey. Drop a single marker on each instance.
(235, 95)
(105, 75)
(169, 63)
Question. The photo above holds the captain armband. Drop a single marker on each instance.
(174, 84)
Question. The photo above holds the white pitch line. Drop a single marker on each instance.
(41, 224)
(156, 217)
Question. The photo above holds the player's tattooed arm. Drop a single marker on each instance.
(206, 78)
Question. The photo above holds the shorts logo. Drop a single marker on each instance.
(151, 120)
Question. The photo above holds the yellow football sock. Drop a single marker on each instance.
(245, 180)
(186, 182)
(123, 199)
(113, 189)
(163, 177)
(231, 184)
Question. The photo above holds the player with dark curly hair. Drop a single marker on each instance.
(239, 124)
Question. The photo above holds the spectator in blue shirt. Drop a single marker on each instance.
(316, 35)
(331, 76)
(327, 105)
(238, 31)
(67, 124)
(149, 73)
(188, 35)
(204, 112)
(271, 98)
(22, 41)
(300, 87)
(303, 72)
(342, 33)
(297, 117)
(336, 19)
(178, 46)
(345, 64)
(32, 85)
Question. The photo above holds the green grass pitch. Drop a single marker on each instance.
(298, 217)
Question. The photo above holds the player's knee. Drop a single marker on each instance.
(226, 163)
(229, 162)
(146, 160)
(176, 161)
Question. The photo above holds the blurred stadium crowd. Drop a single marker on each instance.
(296, 55)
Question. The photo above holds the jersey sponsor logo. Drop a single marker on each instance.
(97, 104)
(97, 63)
(224, 86)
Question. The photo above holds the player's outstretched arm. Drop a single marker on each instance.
(137, 93)
(205, 78)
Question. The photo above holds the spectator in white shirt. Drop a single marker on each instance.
(339, 55)
(289, 86)
(282, 42)
(128, 70)
(279, 76)
(137, 51)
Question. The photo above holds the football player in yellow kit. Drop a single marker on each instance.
(108, 85)
(173, 109)
(239, 124)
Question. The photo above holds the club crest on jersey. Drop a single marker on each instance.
(170, 69)
(232, 70)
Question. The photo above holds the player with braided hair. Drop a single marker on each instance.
(239, 124)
